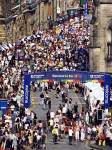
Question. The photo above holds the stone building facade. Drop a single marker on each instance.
(5, 11)
(101, 37)
(18, 18)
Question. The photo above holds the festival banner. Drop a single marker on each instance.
(21, 56)
(38, 76)
(86, 9)
(26, 91)
(24, 70)
(3, 106)
(65, 76)
(107, 91)
(95, 76)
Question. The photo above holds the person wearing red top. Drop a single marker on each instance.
(66, 130)
(1, 79)
(102, 138)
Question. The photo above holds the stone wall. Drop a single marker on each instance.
(101, 36)
(20, 20)
(23, 20)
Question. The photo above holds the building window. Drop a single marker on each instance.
(109, 53)
(110, 29)
(109, 43)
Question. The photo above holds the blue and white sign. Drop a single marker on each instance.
(27, 91)
(24, 70)
(107, 91)
(3, 106)
(81, 76)
(21, 56)
(86, 9)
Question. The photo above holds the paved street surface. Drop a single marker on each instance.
(78, 146)
(38, 108)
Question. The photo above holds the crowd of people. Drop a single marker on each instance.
(64, 49)
(45, 51)
(69, 121)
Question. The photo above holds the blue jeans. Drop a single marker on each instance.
(39, 143)
(44, 106)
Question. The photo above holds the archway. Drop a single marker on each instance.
(69, 76)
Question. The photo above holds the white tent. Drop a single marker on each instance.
(95, 92)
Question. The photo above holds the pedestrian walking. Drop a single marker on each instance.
(48, 116)
(77, 132)
(45, 103)
(43, 140)
(51, 123)
(70, 133)
(82, 133)
(49, 103)
(39, 141)
(55, 134)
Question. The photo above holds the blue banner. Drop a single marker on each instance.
(21, 56)
(24, 70)
(86, 9)
(27, 91)
(67, 75)
(95, 76)
(3, 106)
(38, 76)
(76, 76)
(107, 91)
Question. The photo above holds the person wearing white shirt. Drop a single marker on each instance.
(64, 110)
(111, 138)
(38, 140)
(70, 133)
(52, 114)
